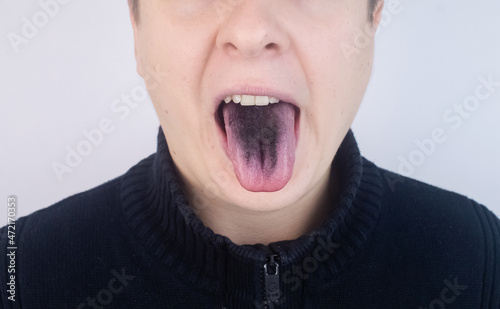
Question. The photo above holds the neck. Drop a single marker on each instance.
(244, 226)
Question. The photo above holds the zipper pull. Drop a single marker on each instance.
(272, 279)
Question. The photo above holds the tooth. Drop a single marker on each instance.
(236, 99)
(247, 100)
(261, 101)
(228, 99)
(273, 100)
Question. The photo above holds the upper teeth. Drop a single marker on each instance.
(251, 100)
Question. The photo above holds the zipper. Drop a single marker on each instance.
(271, 282)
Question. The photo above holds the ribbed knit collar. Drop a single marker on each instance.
(161, 218)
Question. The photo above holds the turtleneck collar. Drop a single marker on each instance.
(160, 217)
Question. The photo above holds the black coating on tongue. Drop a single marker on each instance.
(258, 131)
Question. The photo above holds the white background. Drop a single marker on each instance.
(429, 56)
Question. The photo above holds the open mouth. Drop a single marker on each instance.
(259, 136)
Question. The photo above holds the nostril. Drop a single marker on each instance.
(230, 46)
(271, 46)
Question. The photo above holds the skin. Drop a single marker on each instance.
(202, 48)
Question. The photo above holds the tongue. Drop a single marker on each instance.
(261, 144)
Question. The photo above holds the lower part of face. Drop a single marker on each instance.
(314, 57)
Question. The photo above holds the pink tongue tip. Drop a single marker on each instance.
(261, 144)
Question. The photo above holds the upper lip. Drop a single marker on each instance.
(255, 91)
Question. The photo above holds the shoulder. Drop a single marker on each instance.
(89, 202)
(72, 216)
(415, 209)
(65, 248)
(416, 199)
(426, 207)
(434, 235)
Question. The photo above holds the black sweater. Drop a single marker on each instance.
(133, 242)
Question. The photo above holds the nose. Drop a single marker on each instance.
(251, 28)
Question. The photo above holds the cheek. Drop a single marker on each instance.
(177, 46)
(338, 55)
(172, 74)
(338, 84)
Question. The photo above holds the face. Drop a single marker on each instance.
(313, 56)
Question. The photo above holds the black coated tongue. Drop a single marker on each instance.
(261, 144)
